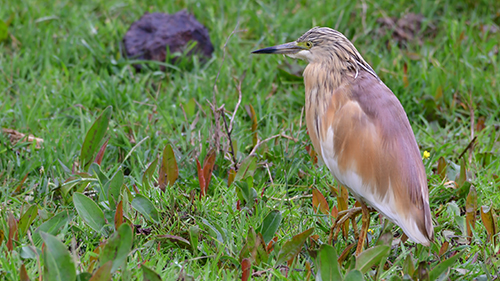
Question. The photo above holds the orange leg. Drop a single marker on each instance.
(365, 218)
(355, 228)
(341, 219)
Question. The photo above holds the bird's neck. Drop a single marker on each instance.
(322, 82)
(322, 79)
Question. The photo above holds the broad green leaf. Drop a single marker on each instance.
(489, 222)
(319, 202)
(52, 226)
(371, 257)
(354, 275)
(293, 246)
(149, 275)
(169, 171)
(89, 211)
(144, 206)
(148, 174)
(114, 189)
(270, 225)
(443, 266)
(327, 264)
(246, 169)
(103, 273)
(118, 247)
(93, 138)
(26, 220)
(58, 263)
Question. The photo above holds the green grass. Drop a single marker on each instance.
(62, 66)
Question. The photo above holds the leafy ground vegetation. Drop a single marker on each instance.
(206, 171)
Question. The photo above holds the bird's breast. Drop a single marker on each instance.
(322, 104)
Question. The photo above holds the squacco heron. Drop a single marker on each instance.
(360, 130)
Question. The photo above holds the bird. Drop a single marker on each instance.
(360, 130)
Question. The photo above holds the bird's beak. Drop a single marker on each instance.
(286, 49)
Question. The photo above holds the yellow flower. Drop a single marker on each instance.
(426, 154)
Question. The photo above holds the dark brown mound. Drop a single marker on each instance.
(149, 37)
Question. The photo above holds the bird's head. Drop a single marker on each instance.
(315, 44)
(322, 45)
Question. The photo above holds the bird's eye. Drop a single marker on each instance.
(309, 44)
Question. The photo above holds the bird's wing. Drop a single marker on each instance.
(368, 145)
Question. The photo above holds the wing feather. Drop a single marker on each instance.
(369, 146)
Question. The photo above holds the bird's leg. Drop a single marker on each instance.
(355, 228)
(342, 217)
(365, 218)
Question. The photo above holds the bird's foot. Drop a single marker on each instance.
(342, 217)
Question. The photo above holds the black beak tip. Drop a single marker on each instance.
(268, 50)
